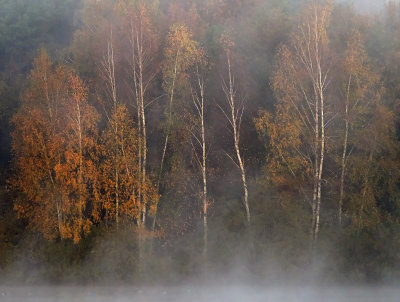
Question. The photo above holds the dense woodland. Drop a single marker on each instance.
(163, 140)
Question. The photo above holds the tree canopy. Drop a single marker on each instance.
(176, 136)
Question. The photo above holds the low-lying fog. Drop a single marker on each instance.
(214, 293)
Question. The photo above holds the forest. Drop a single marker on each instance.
(160, 141)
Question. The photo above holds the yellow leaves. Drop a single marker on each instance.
(181, 53)
(314, 22)
(180, 39)
(262, 123)
(293, 133)
(283, 140)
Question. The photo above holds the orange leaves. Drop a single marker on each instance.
(53, 143)
(120, 175)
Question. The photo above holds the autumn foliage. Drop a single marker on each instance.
(65, 171)
(193, 131)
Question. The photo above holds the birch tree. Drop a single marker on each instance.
(200, 146)
(55, 144)
(119, 153)
(107, 69)
(181, 53)
(78, 170)
(38, 145)
(360, 91)
(143, 47)
(301, 83)
(234, 116)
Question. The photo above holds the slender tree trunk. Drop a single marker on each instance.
(171, 100)
(205, 206)
(139, 46)
(244, 181)
(319, 83)
(144, 135)
(342, 174)
(344, 155)
(236, 120)
(137, 97)
(316, 160)
(51, 116)
(204, 167)
(109, 67)
(138, 62)
(199, 139)
(321, 165)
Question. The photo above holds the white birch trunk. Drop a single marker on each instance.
(139, 64)
(109, 72)
(171, 100)
(319, 80)
(235, 118)
(204, 173)
(199, 103)
(133, 41)
(344, 155)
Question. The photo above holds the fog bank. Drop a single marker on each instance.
(215, 293)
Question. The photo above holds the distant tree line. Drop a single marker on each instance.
(191, 132)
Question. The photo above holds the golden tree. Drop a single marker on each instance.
(53, 143)
(297, 132)
(181, 53)
(77, 171)
(361, 91)
(120, 181)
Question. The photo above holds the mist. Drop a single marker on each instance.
(197, 294)
(218, 150)
(366, 6)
